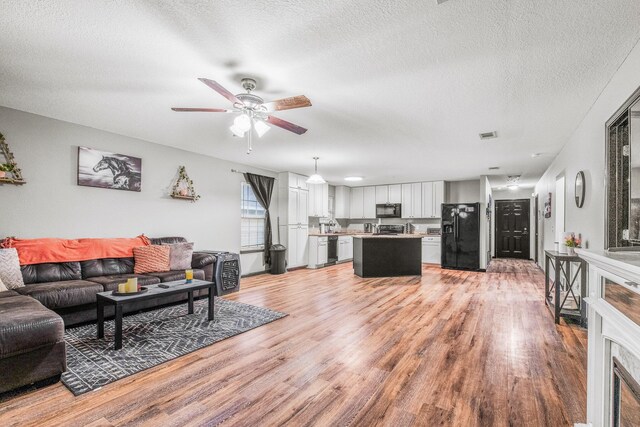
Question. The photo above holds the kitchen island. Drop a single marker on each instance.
(387, 255)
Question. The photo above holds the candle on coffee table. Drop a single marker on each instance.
(122, 288)
(132, 284)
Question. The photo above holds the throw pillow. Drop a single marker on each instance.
(10, 273)
(180, 255)
(2, 286)
(151, 259)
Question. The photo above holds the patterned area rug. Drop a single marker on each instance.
(151, 338)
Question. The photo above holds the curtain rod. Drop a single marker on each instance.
(241, 172)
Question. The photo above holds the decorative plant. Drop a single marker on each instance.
(184, 186)
(6, 167)
(572, 241)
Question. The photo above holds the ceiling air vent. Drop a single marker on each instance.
(441, 1)
(489, 135)
(494, 168)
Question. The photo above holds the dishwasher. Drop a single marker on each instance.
(332, 250)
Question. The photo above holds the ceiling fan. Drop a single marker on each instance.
(253, 112)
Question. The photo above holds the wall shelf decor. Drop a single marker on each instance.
(183, 188)
(14, 174)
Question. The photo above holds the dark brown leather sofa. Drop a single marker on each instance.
(33, 318)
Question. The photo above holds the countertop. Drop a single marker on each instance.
(388, 236)
(356, 234)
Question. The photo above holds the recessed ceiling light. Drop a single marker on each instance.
(353, 178)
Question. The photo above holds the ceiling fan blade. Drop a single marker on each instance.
(222, 91)
(286, 125)
(299, 101)
(204, 110)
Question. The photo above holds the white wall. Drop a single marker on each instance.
(52, 205)
(463, 191)
(585, 150)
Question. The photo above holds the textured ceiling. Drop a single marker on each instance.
(400, 89)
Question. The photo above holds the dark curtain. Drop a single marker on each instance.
(262, 187)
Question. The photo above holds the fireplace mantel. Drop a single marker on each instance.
(613, 291)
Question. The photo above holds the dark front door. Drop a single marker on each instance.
(512, 228)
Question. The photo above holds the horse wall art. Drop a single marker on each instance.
(108, 170)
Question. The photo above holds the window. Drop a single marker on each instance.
(252, 220)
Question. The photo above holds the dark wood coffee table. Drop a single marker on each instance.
(154, 292)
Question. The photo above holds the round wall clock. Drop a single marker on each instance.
(580, 189)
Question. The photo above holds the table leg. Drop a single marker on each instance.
(100, 305)
(211, 303)
(546, 279)
(556, 305)
(118, 337)
(190, 302)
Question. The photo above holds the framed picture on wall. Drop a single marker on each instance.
(103, 169)
(547, 207)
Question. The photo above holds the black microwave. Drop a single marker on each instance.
(389, 210)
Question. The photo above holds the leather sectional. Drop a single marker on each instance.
(33, 317)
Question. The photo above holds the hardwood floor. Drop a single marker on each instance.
(451, 348)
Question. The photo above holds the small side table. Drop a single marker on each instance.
(561, 265)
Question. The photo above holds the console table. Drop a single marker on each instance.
(553, 298)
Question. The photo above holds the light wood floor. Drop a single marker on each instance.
(450, 348)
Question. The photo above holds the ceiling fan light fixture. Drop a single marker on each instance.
(316, 178)
(261, 128)
(237, 131)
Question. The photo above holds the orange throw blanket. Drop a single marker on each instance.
(38, 251)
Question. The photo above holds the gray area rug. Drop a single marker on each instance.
(151, 338)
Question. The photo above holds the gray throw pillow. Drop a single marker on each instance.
(180, 256)
(10, 273)
(2, 286)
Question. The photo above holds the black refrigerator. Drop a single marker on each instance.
(461, 236)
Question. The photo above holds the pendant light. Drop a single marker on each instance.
(316, 178)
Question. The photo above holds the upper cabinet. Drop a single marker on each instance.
(412, 200)
(293, 180)
(422, 199)
(388, 193)
(343, 202)
(319, 200)
(363, 203)
(432, 199)
(357, 203)
(369, 208)
(293, 199)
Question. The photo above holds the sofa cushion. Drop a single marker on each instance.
(180, 255)
(26, 325)
(106, 267)
(170, 276)
(63, 294)
(167, 240)
(151, 258)
(51, 272)
(6, 294)
(110, 283)
(10, 268)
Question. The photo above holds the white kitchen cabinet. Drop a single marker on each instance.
(343, 202)
(297, 245)
(432, 199)
(297, 202)
(319, 200)
(345, 248)
(318, 251)
(369, 208)
(431, 250)
(382, 194)
(412, 200)
(293, 180)
(395, 193)
(357, 203)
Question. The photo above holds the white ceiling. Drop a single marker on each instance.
(400, 89)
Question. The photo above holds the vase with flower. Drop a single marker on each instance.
(572, 242)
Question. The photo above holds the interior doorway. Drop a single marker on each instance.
(512, 229)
